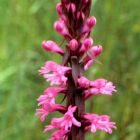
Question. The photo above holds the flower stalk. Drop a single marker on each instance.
(67, 78)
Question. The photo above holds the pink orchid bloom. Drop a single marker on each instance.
(49, 94)
(47, 108)
(99, 123)
(66, 121)
(57, 77)
(103, 86)
(100, 86)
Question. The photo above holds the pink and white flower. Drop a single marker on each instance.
(66, 121)
(57, 75)
(47, 108)
(49, 94)
(100, 86)
(97, 122)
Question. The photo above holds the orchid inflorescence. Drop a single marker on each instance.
(68, 77)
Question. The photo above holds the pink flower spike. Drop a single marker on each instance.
(83, 82)
(61, 28)
(66, 122)
(99, 123)
(73, 44)
(51, 46)
(59, 135)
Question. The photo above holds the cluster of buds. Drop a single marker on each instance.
(68, 79)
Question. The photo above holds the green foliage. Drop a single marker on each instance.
(23, 26)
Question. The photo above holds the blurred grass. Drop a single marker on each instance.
(25, 23)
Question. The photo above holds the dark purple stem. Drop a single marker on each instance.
(75, 98)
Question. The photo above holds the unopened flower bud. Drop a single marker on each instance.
(91, 22)
(88, 42)
(96, 50)
(59, 9)
(61, 28)
(51, 46)
(71, 7)
(73, 44)
(80, 15)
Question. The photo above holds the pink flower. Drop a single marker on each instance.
(83, 82)
(99, 123)
(100, 86)
(57, 77)
(49, 94)
(51, 46)
(66, 122)
(59, 135)
(103, 86)
(47, 108)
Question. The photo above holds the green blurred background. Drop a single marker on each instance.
(23, 26)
